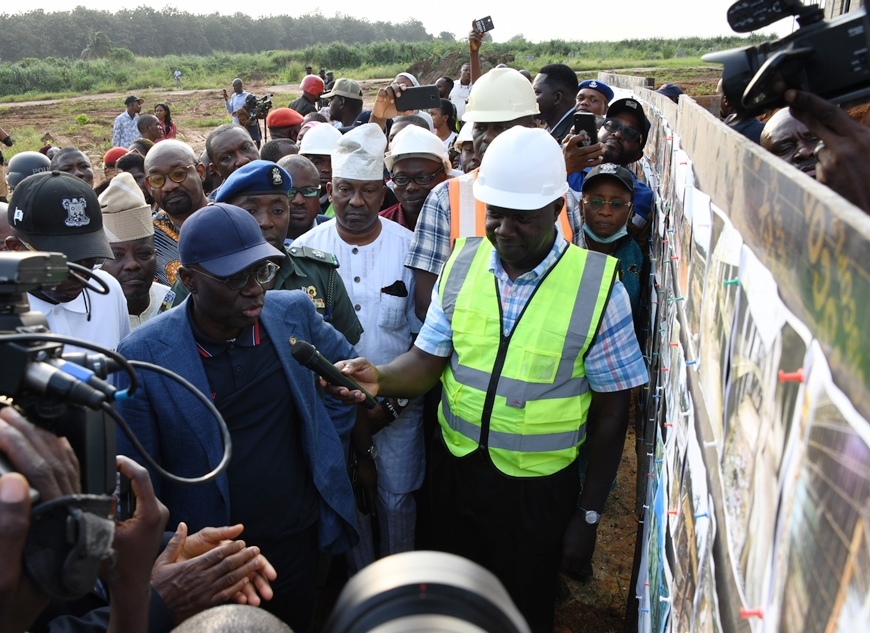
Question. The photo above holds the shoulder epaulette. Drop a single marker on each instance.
(306, 252)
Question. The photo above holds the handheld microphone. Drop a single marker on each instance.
(306, 354)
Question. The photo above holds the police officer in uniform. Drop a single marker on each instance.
(264, 190)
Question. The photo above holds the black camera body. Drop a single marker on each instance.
(28, 367)
(259, 107)
(829, 59)
(69, 536)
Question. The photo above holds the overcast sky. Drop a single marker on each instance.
(587, 21)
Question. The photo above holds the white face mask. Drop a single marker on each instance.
(605, 240)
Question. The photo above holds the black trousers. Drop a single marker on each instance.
(513, 526)
(295, 559)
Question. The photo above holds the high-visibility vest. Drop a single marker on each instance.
(524, 397)
(468, 214)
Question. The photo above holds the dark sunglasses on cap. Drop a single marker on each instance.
(628, 133)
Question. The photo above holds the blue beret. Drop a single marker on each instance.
(600, 86)
(256, 178)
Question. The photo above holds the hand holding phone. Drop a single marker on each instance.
(585, 122)
(483, 24)
(418, 98)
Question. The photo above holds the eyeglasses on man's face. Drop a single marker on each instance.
(263, 274)
(176, 175)
(403, 181)
(596, 204)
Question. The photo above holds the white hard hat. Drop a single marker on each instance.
(464, 136)
(415, 142)
(500, 95)
(321, 139)
(523, 168)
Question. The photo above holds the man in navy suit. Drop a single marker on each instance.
(287, 481)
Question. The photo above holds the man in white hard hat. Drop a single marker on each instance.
(417, 161)
(317, 146)
(502, 99)
(530, 337)
(371, 250)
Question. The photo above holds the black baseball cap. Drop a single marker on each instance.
(613, 171)
(56, 212)
(131, 99)
(634, 107)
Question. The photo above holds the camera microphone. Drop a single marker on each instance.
(306, 354)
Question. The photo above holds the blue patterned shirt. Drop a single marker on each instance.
(614, 361)
(125, 130)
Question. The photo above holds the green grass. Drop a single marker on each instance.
(26, 140)
(52, 77)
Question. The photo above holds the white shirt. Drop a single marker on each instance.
(158, 295)
(388, 323)
(459, 95)
(93, 317)
(235, 103)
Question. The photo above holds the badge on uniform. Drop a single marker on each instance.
(312, 292)
(277, 178)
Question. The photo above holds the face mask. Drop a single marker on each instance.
(605, 240)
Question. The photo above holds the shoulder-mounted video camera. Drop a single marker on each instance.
(830, 59)
(71, 536)
(259, 107)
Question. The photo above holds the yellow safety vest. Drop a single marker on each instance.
(523, 397)
(468, 214)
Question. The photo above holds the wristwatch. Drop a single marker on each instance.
(591, 516)
(371, 452)
(390, 409)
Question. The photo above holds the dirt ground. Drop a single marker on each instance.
(86, 122)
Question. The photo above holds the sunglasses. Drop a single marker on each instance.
(628, 133)
(307, 192)
(264, 274)
(176, 175)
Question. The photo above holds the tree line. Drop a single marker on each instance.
(150, 32)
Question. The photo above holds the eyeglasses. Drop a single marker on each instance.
(628, 133)
(596, 204)
(404, 181)
(264, 274)
(307, 192)
(177, 175)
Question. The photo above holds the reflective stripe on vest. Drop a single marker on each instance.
(468, 214)
(541, 397)
(543, 443)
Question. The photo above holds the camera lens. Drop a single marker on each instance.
(425, 592)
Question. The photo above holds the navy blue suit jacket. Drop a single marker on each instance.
(183, 437)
